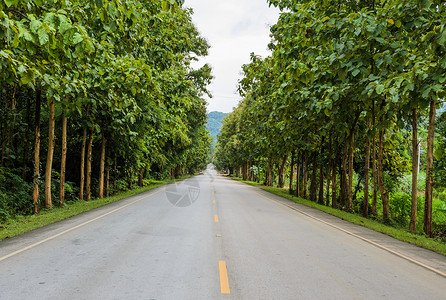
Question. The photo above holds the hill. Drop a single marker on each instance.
(214, 123)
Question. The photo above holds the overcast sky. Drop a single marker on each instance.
(234, 29)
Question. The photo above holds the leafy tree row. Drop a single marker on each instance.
(104, 89)
(343, 81)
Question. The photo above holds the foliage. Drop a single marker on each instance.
(120, 72)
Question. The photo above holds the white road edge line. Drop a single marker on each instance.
(360, 237)
(75, 227)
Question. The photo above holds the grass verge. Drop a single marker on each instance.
(398, 233)
(22, 224)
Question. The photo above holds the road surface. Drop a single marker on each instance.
(213, 238)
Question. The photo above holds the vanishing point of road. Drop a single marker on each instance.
(209, 237)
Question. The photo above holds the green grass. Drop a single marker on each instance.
(398, 233)
(22, 224)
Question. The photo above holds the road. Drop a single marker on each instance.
(213, 238)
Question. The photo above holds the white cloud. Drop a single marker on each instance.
(234, 29)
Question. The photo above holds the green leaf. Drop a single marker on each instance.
(43, 36)
(99, 3)
(35, 26)
(21, 69)
(356, 72)
(379, 89)
(9, 3)
(398, 23)
(77, 38)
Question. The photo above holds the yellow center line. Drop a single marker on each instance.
(224, 282)
(216, 218)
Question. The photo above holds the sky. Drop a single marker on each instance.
(234, 29)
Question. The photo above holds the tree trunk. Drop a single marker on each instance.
(82, 180)
(49, 158)
(88, 169)
(63, 160)
(130, 180)
(305, 174)
(366, 173)
(327, 196)
(102, 164)
(269, 178)
(313, 178)
(5, 130)
(344, 175)
(282, 166)
(115, 173)
(413, 210)
(107, 180)
(12, 119)
(334, 203)
(36, 176)
(374, 173)
(298, 181)
(291, 173)
(245, 171)
(27, 129)
(429, 172)
(350, 170)
(141, 176)
(321, 176)
(382, 188)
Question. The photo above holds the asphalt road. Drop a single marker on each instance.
(213, 238)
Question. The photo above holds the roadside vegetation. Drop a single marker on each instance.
(96, 97)
(348, 112)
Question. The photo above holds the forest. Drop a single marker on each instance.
(97, 96)
(348, 110)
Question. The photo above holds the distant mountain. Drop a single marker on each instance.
(215, 121)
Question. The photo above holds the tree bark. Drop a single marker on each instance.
(102, 164)
(321, 176)
(313, 178)
(63, 160)
(298, 181)
(350, 170)
(245, 171)
(115, 173)
(49, 158)
(282, 166)
(366, 173)
(107, 180)
(334, 203)
(327, 195)
(413, 209)
(305, 174)
(82, 180)
(291, 173)
(374, 173)
(36, 176)
(429, 171)
(5, 130)
(269, 178)
(344, 175)
(27, 133)
(12, 119)
(141, 176)
(382, 188)
(88, 168)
